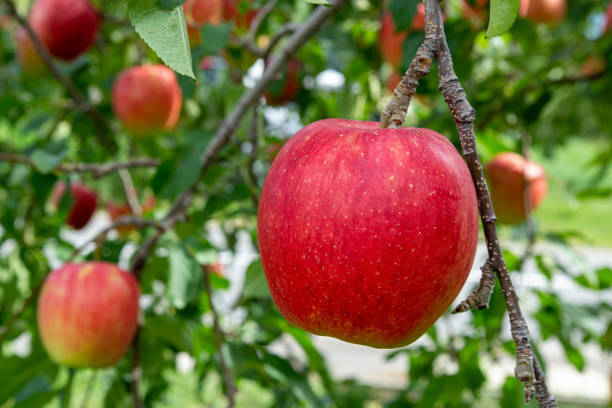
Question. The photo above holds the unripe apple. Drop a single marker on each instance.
(200, 12)
(84, 203)
(147, 99)
(287, 85)
(608, 19)
(66, 27)
(28, 57)
(367, 234)
(117, 211)
(88, 314)
(543, 11)
(517, 186)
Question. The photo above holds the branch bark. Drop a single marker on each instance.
(527, 368)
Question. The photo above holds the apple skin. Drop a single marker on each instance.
(608, 19)
(367, 234)
(509, 174)
(543, 11)
(88, 314)
(66, 27)
(147, 99)
(200, 12)
(28, 57)
(286, 87)
(84, 203)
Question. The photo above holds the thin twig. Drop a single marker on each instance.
(248, 40)
(480, 297)
(464, 116)
(131, 196)
(228, 378)
(80, 100)
(98, 170)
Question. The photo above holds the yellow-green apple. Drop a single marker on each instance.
(200, 12)
(88, 314)
(286, 86)
(517, 186)
(543, 11)
(66, 27)
(147, 99)
(84, 203)
(117, 211)
(367, 234)
(28, 57)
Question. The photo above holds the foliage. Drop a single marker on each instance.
(526, 81)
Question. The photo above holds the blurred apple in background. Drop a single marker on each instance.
(517, 186)
(67, 28)
(286, 86)
(543, 11)
(88, 314)
(28, 57)
(200, 12)
(84, 203)
(147, 99)
(117, 211)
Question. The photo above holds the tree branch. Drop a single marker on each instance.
(131, 196)
(79, 100)
(228, 378)
(464, 116)
(98, 170)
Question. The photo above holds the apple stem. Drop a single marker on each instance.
(527, 368)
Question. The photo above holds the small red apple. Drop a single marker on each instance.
(200, 12)
(608, 19)
(286, 87)
(543, 11)
(66, 27)
(367, 234)
(592, 66)
(242, 20)
(147, 99)
(84, 203)
(28, 57)
(510, 176)
(117, 211)
(88, 314)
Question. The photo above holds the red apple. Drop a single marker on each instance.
(473, 12)
(367, 234)
(147, 99)
(592, 66)
(200, 12)
(232, 12)
(28, 57)
(286, 87)
(510, 178)
(543, 11)
(117, 211)
(608, 19)
(84, 203)
(66, 27)
(88, 314)
(393, 80)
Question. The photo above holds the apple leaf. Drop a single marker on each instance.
(255, 285)
(165, 32)
(215, 38)
(46, 159)
(503, 15)
(185, 281)
(403, 12)
(168, 4)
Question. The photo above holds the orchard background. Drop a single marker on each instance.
(209, 331)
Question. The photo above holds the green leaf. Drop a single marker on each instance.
(46, 159)
(503, 15)
(214, 38)
(255, 285)
(604, 276)
(403, 12)
(186, 280)
(320, 2)
(168, 4)
(16, 372)
(165, 32)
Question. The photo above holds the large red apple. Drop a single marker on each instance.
(543, 11)
(510, 178)
(367, 234)
(28, 57)
(608, 19)
(147, 99)
(286, 87)
(88, 314)
(66, 27)
(84, 203)
(200, 12)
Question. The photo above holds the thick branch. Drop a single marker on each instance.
(79, 100)
(464, 116)
(228, 378)
(98, 170)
